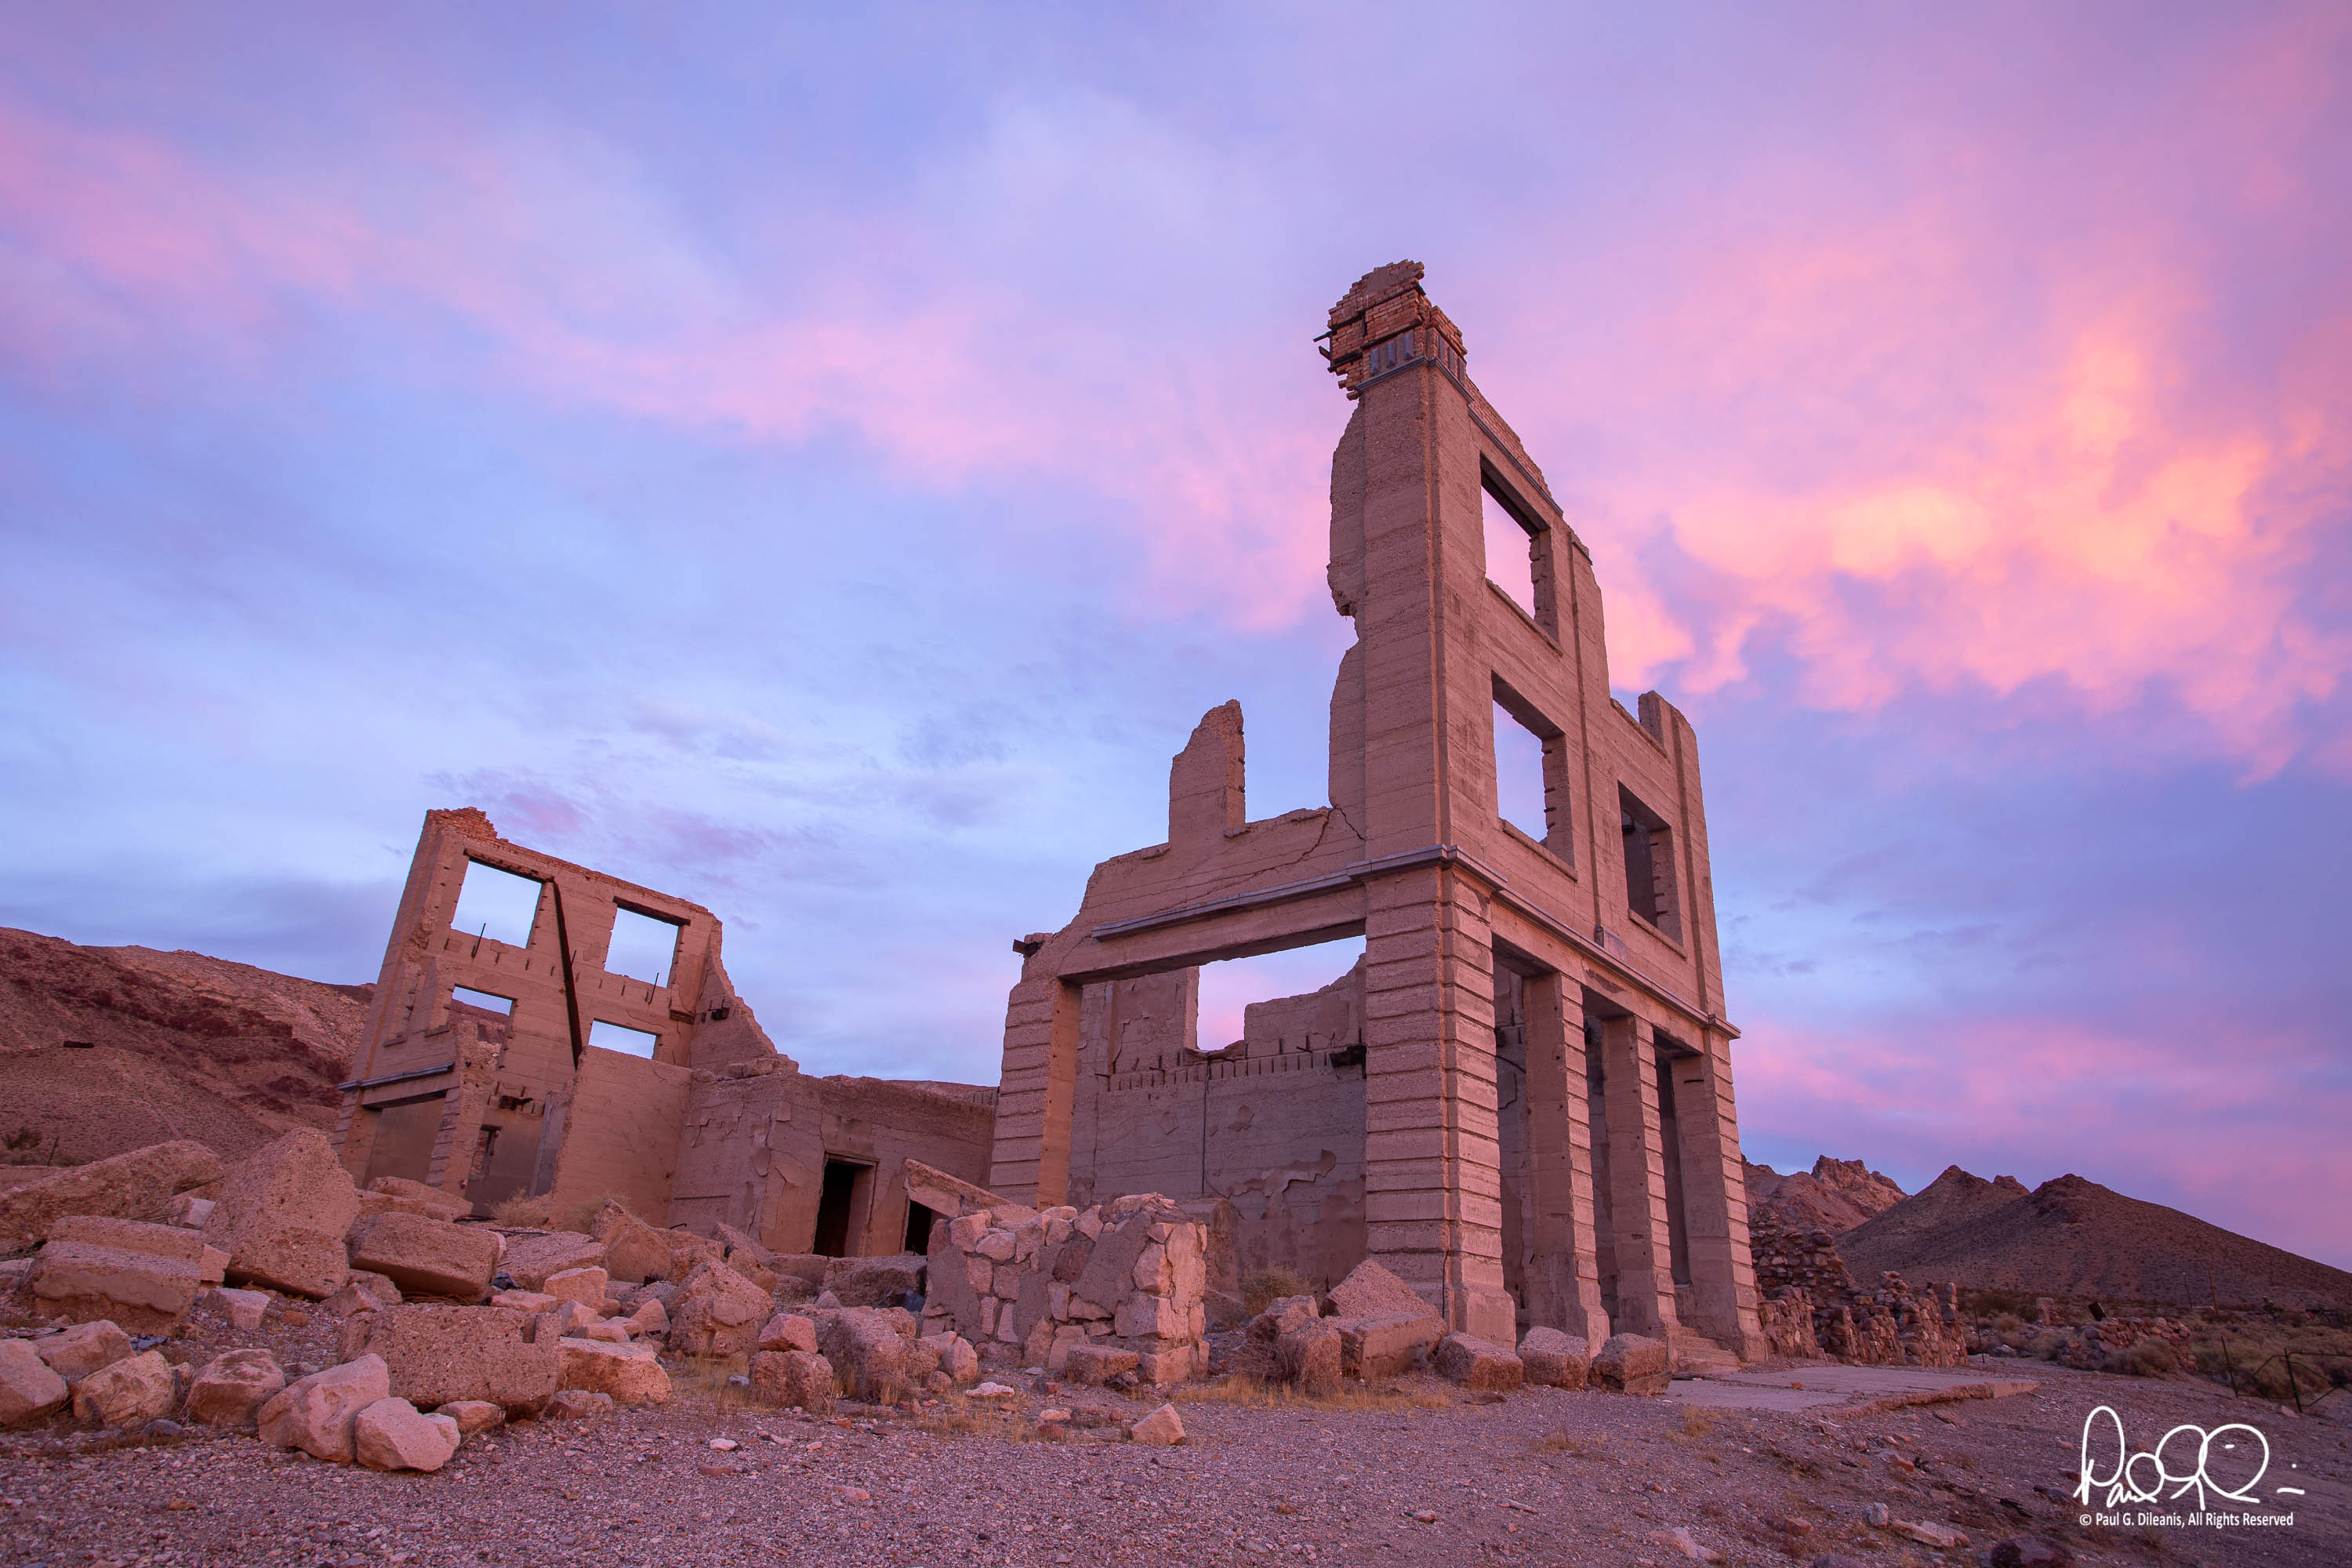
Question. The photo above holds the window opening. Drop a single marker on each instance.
(1230, 987)
(621, 1038)
(643, 947)
(1519, 776)
(1649, 865)
(482, 999)
(1510, 550)
(496, 904)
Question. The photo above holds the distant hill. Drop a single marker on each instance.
(1835, 1196)
(2074, 1237)
(176, 1044)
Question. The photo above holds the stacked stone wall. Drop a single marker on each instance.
(1028, 1288)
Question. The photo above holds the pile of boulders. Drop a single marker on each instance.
(1111, 1294)
(1374, 1325)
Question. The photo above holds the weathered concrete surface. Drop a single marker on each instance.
(137, 1185)
(1805, 1388)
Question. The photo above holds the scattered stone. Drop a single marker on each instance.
(282, 1215)
(439, 1354)
(1876, 1515)
(29, 1389)
(1681, 1540)
(585, 1286)
(531, 1259)
(243, 1309)
(2029, 1552)
(126, 1187)
(1309, 1351)
(83, 1349)
(146, 1275)
(394, 1435)
(1478, 1364)
(315, 1414)
(473, 1416)
(232, 1386)
(1093, 1364)
(1385, 1346)
(427, 1256)
(433, 1200)
(789, 1331)
(718, 1312)
(1927, 1532)
(798, 1379)
(578, 1405)
(1161, 1429)
(189, 1211)
(873, 1281)
(1633, 1363)
(990, 1391)
(1554, 1360)
(631, 1375)
(868, 1351)
(136, 1388)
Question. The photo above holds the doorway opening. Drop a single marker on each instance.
(839, 1202)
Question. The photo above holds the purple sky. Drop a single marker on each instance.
(823, 465)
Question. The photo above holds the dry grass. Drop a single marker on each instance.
(520, 1212)
(1257, 1393)
(1573, 1446)
(1262, 1289)
(1696, 1423)
(578, 1216)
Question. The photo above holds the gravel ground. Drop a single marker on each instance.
(1418, 1474)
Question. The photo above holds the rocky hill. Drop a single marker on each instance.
(2070, 1236)
(167, 1045)
(1835, 1196)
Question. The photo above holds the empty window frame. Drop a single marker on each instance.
(1518, 548)
(621, 1038)
(1649, 865)
(1531, 773)
(496, 904)
(643, 947)
(1230, 987)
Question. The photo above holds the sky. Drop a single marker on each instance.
(820, 462)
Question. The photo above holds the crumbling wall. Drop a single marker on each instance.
(618, 1135)
(1120, 1283)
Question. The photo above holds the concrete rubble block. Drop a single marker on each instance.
(636, 1251)
(133, 1185)
(136, 1388)
(873, 1281)
(83, 1349)
(585, 1286)
(1478, 1364)
(1108, 1276)
(1152, 1317)
(427, 1256)
(1162, 1364)
(957, 1358)
(802, 1380)
(650, 1319)
(754, 1268)
(29, 1390)
(716, 1313)
(1309, 1354)
(142, 1276)
(1095, 1362)
(282, 1214)
(188, 1211)
(789, 1331)
(473, 1416)
(232, 1386)
(1369, 1291)
(530, 1259)
(445, 1205)
(1384, 1347)
(1281, 1314)
(532, 1302)
(394, 1435)
(436, 1355)
(243, 1309)
(1633, 1363)
(1554, 1360)
(630, 1374)
(611, 1332)
(1161, 1429)
(808, 1267)
(868, 1351)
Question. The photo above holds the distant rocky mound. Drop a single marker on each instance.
(2074, 1237)
(1836, 1195)
(165, 1046)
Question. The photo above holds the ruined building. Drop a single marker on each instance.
(715, 1127)
(1521, 1099)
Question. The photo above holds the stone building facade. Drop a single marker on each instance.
(1521, 1099)
(714, 1127)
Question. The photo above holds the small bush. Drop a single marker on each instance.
(2149, 1358)
(1268, 1286)
(578, 1215)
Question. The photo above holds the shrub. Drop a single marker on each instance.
(519, 1212)
(1268, 1286)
